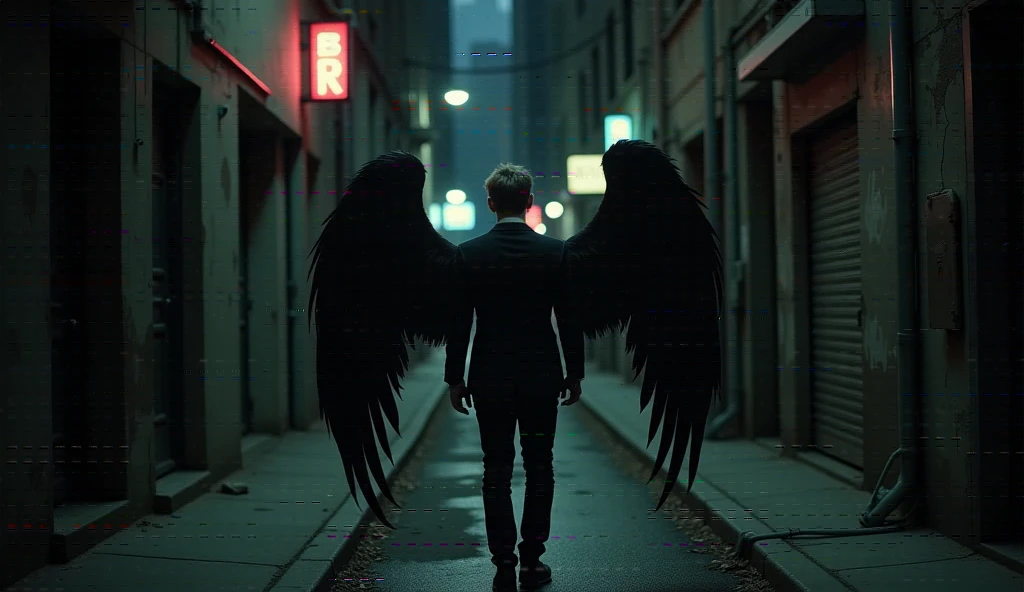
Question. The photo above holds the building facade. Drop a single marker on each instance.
(154, 300)
(804, 165)
(578, 61)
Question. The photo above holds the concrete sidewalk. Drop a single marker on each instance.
(745, 487)
(283, 535)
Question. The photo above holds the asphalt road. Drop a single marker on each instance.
(605, 535)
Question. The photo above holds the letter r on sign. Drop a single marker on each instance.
(328, 71)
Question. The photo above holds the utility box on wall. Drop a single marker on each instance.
(942, 235)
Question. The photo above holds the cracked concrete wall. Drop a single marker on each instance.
(949, 413)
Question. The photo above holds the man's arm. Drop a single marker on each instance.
(568, 329)
(458, 343)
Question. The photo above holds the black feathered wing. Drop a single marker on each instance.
(381, 275)
(650, 261)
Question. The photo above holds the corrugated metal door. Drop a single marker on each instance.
(835, 288)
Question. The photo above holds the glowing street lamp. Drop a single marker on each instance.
(455, 196)
(540, 228)
(456, 97)
(554, 209)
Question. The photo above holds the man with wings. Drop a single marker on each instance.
(513, 277)
(647, 264)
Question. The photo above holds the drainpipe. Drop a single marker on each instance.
(732, 254)
(884, 502)
(339, 153)
(645, 95)
(660, 87)
(711, 173)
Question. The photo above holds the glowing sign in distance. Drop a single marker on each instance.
(553, 210)
(328, 55)
(459, 216)
(456, 97)
(585, 174)
(533, 217)
(434, 213)
(455, 196)
(617, 127)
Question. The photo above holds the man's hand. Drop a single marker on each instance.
(458, 392)
(571, 392)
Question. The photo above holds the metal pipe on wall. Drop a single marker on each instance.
(660, 94)
(339, 153)
(884, 502)
(711, 173)
(732, 248)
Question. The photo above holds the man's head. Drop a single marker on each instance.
(508, 190)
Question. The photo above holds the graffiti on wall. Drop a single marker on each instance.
(876, 346)
(877, 208)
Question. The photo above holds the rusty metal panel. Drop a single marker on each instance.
(944, 288)
(836, 323)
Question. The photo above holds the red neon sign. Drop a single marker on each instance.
(533, 217)
(328, 61)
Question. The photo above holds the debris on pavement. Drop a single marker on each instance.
(358, 572)
(234, 488)
(685, 518)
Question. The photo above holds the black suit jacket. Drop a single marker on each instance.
(512, 278)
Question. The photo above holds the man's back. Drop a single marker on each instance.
(513, 277)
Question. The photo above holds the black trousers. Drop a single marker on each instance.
(498, 412)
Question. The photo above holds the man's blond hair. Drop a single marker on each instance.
(509, 185)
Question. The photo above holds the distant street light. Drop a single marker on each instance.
(540, 228)
(554, 209)
(456, 97)
(455, 196)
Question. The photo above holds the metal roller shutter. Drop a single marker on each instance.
(835, 288)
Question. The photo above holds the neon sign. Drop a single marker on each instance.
(328, 61)
(533, 217)
(617, 127)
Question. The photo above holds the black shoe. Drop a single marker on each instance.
(505, 579)
(533, 576)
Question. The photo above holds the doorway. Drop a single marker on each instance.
(262, 284)
(995, 95)
(832, 158)
(85, 136)
(255, 175)
(172, 108)
(758, 327)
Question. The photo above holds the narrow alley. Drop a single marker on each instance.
(604, 533)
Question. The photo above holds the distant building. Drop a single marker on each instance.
(482, 127)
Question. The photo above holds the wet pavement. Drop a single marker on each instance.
(605, 536)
